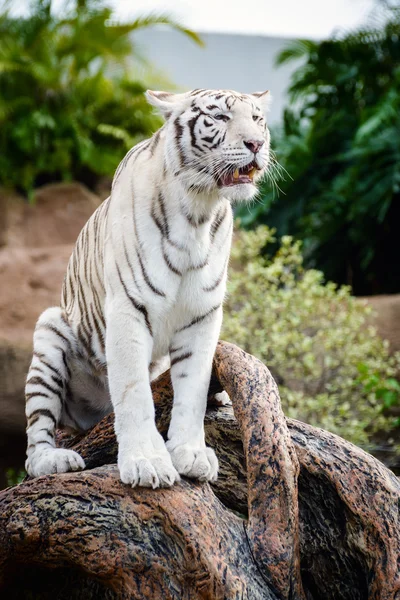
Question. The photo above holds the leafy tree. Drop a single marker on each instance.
(340, 148)
(70, 105)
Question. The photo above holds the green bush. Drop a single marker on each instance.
(333, 369)
(70, 105)
(339, 146)
(14, 476)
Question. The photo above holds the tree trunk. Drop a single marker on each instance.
(297, 513)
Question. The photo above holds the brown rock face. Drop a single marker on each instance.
(57, 215)
(39, 242)
(387, 318)
(30, 281)
(314, 517)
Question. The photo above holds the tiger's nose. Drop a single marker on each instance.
(254, 145)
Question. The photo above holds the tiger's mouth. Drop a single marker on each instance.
(238, 176)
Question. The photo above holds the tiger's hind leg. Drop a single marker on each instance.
(45, 395)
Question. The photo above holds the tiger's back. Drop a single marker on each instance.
(83, 290)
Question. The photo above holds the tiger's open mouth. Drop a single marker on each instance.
(238, 176)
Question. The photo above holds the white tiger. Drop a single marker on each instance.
(146, 281)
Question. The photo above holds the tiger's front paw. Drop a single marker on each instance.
(151, 471)
(198, 463)
(53, 460)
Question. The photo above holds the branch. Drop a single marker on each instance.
(331, 528)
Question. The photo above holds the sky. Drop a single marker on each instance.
(289, 18)
(293, 18)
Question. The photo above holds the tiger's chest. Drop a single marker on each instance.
(184, 304)
(198, 289)
(198, 284)
(182, 269)
(171, 265)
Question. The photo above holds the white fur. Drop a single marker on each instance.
(156, 271)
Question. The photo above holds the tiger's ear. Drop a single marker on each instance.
(264, 99)
(165, 102)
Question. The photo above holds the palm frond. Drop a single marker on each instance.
(71, 93)
(295, 50)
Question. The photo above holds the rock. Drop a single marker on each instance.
(30, 281)
(103, 187)
(329, 529)
(56, 217)
(11, 207)
(387, 318)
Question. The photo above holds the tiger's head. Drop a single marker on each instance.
(217, 141)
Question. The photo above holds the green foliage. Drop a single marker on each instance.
(333, 369)
(339, 145)
(70, 106)
(14, 476)
(387, 390)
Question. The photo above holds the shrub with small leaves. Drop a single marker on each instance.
(333, 369)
